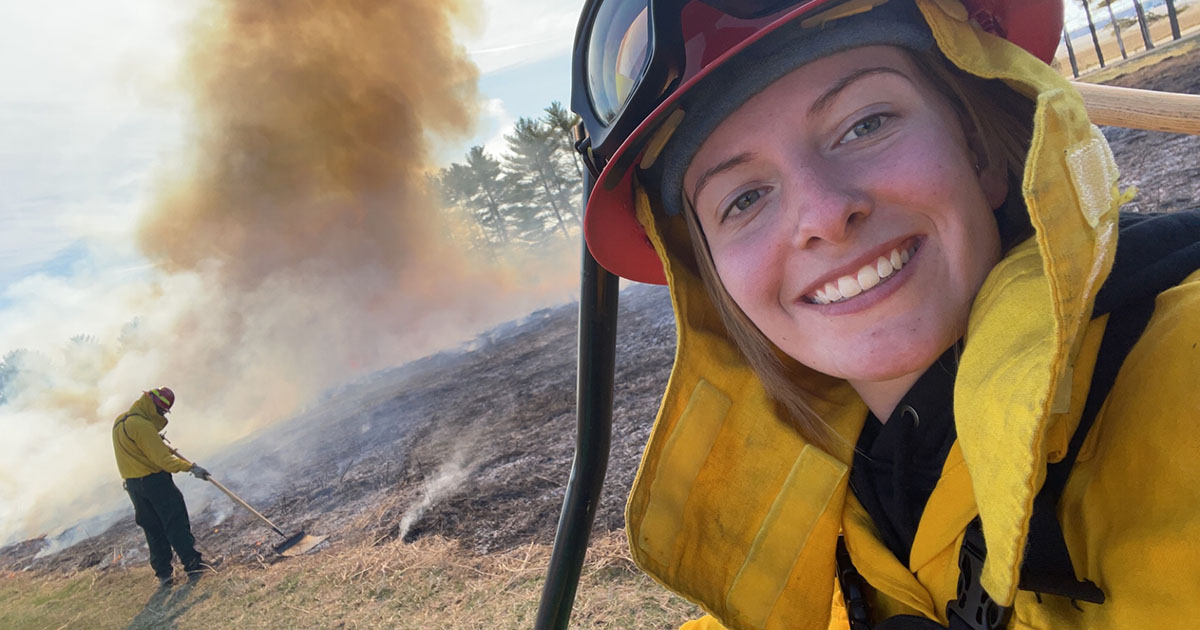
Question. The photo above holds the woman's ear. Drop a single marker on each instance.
(992, 174)
(993, 179)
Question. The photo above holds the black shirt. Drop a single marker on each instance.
(897, 464)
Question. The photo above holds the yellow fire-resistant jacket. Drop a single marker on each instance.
(139, 448)
(734, 511)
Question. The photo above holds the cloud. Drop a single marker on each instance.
(519, 32)
(498, 118)
(86, 107)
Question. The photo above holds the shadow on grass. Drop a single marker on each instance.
(164, 607)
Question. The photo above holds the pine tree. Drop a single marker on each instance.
(532, 194)
(534, 161)
(563, 122)
(481, 189)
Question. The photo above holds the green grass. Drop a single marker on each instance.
(429, 584)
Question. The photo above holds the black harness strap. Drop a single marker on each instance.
(1047, 567)
(854, 593)
(1156, 252)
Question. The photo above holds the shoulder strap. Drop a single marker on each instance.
(854, 594)
(1155, 253)
(1047, 567)
(140, 458)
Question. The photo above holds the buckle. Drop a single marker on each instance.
(974, 609)
(583, 146)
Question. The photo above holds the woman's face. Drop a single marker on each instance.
(846, 217)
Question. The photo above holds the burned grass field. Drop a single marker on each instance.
(464, 454)
(473, 445)
(439, 484)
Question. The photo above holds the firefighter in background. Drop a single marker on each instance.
(146, 463)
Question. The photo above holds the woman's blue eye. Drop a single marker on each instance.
(743, 201)
(863, 127)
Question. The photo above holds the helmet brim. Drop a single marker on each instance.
(615, 237)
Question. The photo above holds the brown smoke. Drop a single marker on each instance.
(306, 199)
(314, 122)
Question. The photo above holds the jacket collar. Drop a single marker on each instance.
(145, 408)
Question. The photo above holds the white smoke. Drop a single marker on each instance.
(448, 478)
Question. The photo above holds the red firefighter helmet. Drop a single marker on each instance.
(635, 59)
(163, 398)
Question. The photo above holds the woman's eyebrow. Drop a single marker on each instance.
(732, 162)
(826, 99)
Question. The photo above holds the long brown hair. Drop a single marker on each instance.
(1002, 122)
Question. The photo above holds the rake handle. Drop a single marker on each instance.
(1141, 109)
(227, 491)
(244, 504)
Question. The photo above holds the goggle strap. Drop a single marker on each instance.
(660, 138)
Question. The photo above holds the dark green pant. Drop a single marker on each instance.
(158, 508)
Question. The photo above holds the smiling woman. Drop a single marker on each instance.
(839, 167)
(864, 126)
(890, 232)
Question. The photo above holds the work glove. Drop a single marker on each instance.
(198, 472)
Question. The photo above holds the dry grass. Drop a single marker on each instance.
(1160, 34)
(432, 583)
(1142, 60)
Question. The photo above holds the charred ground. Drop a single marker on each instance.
(473, 444)
(476, 444)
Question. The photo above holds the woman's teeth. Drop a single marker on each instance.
(867, 278)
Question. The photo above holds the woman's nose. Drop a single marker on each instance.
(826, 206)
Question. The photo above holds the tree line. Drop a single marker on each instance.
(525, 197)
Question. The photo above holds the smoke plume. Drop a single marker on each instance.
(297, 243)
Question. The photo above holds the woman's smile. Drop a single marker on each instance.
(864, 279)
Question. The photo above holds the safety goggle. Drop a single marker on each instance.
(630, 56)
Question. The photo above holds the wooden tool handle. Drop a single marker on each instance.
(244, 504)
(227, 491)
(1141, 109)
